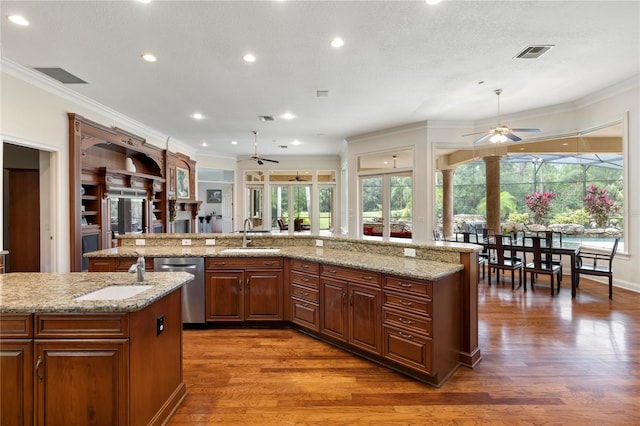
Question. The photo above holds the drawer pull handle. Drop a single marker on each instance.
(367, 277)
(306, 305)
(407, 285)
(332, 271)
(305, 293)
(404, 321)
(38, 368)
(402, 302)
(305, 266)
(269, 263)
(221, 263)
(406, 336)
(306, 280)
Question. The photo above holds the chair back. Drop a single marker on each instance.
(540, 253)
(498, 241)
(613, 253)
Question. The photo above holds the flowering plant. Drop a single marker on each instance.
(598, 204)
(540, 204)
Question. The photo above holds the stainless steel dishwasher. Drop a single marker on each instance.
(193, 291)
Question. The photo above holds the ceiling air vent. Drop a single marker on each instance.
(266, 118)
(61, 75)
(533, 52)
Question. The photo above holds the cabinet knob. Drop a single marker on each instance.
(305, 293)
(269, 263)
(332, 271)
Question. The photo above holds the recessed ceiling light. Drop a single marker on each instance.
(433, 1)
(288, 116)
(149, 57)
(204, 144)
(296, 142)
(197, 116)
(337, 42)
(234, 142)
(249, 58)
(18, 20)
(144, 1)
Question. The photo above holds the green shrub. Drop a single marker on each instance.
(572, 216)
(519, 218)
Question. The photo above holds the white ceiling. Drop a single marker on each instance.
(402, 62)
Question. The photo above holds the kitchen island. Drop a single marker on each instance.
(90, 348)
(410, 307)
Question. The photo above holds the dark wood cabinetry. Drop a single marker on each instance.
(244, 289)
(351, 307)
(304, 294)
(107, 165)
(92, 368)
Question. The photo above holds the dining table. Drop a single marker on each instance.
(570, 249)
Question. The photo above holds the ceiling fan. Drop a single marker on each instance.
(500, 133)
(297, 178)
(255, 157)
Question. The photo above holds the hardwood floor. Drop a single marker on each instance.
(546, 360)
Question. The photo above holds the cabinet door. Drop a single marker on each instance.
(334, 308)
(81, 382)
(16, 382)
(263, 296)
(364, 318)
(224, 296)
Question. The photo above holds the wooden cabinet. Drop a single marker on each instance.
(116, 264)
(92, 368)
(421, 325)
(16, 365)
(304, 294)
(244, 289)
(351, 307)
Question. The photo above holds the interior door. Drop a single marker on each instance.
(24, 220)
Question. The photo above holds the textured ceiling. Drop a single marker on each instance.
(402, 62)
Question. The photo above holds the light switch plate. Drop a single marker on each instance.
(140, 241)
(319, 243)
(410, 252)
(210, 241)
(186, 242)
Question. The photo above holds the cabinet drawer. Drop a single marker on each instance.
(304, 293)
(304, 266)
(124, 263)
(84, 326)
(18, 326)
(244, 262)
(304, 279)
(411, 323)
(404, 302)
(305, 314)
(349, 274)
(421, 288)
(408, 349)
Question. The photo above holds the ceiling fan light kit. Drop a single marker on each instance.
(501, 133)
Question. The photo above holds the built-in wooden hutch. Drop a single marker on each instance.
(120, 184)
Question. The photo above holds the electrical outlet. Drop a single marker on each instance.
(186, 242)
(140, 241)
(410, 252)
(319, 243)
(210, 241)
(159, 325)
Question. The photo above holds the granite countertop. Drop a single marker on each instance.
(31, 292)
(404, 266)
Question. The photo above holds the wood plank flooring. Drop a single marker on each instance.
(546, 361)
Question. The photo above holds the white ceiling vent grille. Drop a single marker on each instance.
(533, 52)
(63, 76)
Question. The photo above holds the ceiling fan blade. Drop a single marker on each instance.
(482, 138)
(476, 133)
(259, 161)
(513, 137)
(271, 161)
(525, 130)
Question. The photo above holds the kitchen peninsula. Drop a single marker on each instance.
(410, 307)
(90, 348)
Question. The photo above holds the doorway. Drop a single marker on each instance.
(21, 177)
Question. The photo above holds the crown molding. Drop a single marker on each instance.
(56, 88)
(420, 125)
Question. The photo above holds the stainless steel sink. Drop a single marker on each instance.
(251, 250)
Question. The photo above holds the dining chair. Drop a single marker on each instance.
(549, 237)
(499, 262)
(540, 265)
(283, 226)
(592, 263)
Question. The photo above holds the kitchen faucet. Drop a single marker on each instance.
(245, 240)
(139, 268)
